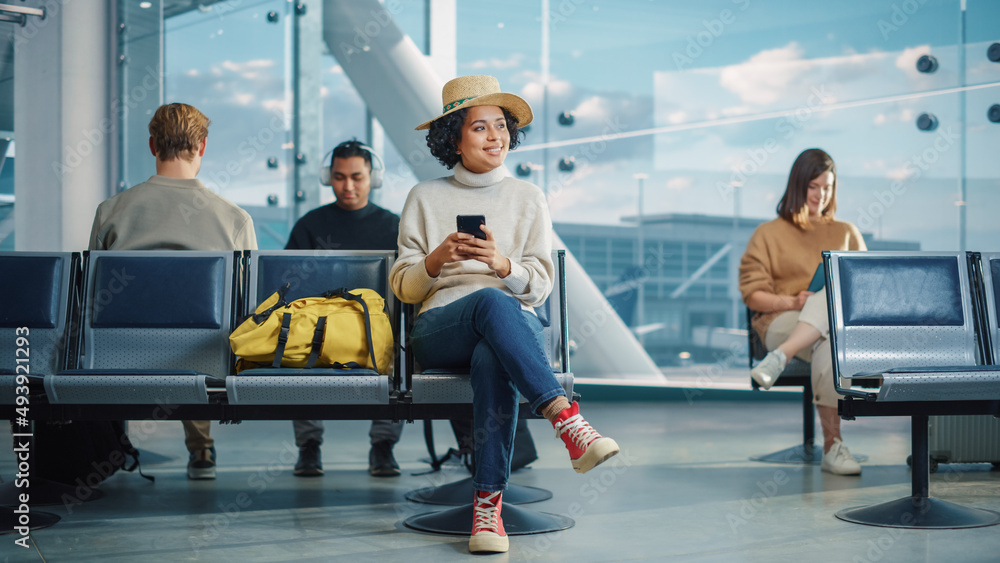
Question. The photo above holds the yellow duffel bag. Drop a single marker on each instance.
(339, 329)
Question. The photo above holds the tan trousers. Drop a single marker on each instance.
(813, 313)
(196, 434)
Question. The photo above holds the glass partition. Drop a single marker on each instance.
(663, 132)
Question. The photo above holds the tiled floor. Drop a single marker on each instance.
(682, 490)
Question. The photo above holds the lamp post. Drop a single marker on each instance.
(641, 299)
(734, 277)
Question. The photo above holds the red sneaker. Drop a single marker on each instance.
(587, 448)
(488, 534)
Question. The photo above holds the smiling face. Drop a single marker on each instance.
(485, 139)
(819, 193)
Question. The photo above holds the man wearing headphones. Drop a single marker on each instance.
(349, 223)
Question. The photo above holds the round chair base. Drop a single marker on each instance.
(800, 455)
(459, 493)
(36, 520)
(516, 521)
(47, 493)
(920, 513)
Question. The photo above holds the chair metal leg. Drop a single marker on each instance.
(516, 521)
(805, 453)
(920, 510)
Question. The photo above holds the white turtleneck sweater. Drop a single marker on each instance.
(515, 211)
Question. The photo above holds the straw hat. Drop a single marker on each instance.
(479, 90)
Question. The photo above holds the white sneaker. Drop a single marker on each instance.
(839, 460)
(768, 370)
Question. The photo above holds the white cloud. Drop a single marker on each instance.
(532, 90)
(879, 119)
(898, 174)
(243, 99)
(870, 165)
(512, 61)
(274, 104)
(594, 108)
(680, 183)
(735, 110)
(193, 73)
(336, 69)
(907, 60)
(764, 78)
(677, 117)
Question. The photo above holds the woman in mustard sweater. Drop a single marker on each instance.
(775, 272)
(477, 295)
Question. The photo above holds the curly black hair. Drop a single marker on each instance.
(446, 132)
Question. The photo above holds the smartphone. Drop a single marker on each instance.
(471, 224)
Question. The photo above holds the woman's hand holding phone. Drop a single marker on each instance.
(463, 246)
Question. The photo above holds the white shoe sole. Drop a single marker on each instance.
(762, 380)
(488, 542)
(201, 474)
(837, 471)
(597, 453)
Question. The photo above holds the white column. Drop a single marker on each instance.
(62, 124)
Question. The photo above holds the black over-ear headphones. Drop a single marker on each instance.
(378, 167)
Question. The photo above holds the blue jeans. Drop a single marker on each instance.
(502, 346)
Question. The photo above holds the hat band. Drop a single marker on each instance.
(455, 104)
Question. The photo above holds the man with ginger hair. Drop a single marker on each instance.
(173, 210)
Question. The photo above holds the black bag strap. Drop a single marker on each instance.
(368, 322)
(317, 343)
(263, 315)
(279, 351)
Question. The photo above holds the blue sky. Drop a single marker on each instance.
(634, 65)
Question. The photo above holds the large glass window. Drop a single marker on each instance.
(683, 117)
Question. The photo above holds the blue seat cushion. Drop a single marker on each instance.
(31, 286)
(914, 291)
(160, 292)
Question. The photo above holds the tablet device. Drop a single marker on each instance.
(819, 279)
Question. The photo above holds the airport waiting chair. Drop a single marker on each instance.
(154, 332)
(986, 267)
(307, 393)
(41, 299)
(39, 290)
(437, 394)
(908, 318)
